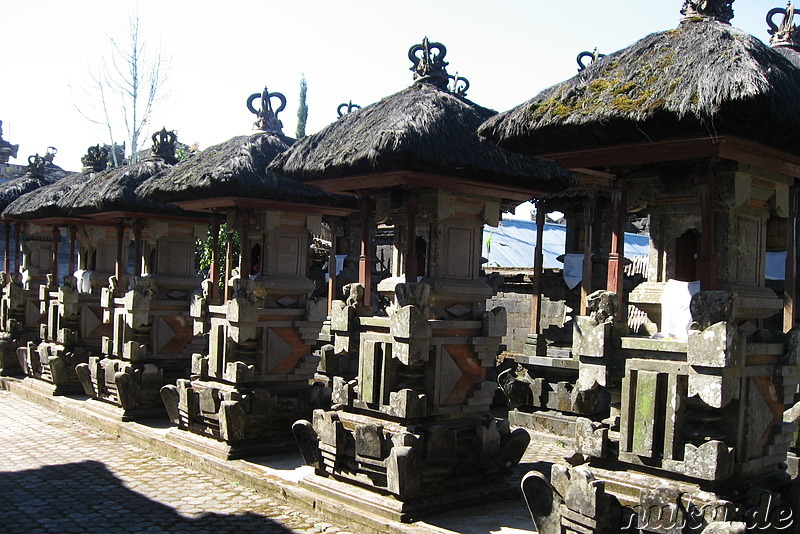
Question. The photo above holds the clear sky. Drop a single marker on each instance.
(221, 52)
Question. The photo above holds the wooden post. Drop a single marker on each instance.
(364, 260)
(54, 265)
(411, 236)
(588, 227)
(538, 268)
(228, 260)
(17, 249)
(73, 236)
(7, 258)
(707, 261)
(244, 252)
(137, 247)
(332, 267)
(617, 253)
(119, 267)
(790, 279)
(214, 266)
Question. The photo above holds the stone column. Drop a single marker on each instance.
(228, 260)
(332, 266)
(17, 248)
(119, 267)
(54, 266)
(244, 252)
(7, 258)
(535, 344)
(137, 247)
(73, 236)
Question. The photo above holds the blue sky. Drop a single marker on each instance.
(220, 52)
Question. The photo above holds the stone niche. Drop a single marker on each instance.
(254, 380)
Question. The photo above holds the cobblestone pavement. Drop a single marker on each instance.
(62, 476)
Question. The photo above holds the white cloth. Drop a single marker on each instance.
(675, 314)
(84, 278)
(573, 269)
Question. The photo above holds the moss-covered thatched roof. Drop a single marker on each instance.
(235, 168)
(13, 189)
(422, 129)
(703, 78)
(44, 202)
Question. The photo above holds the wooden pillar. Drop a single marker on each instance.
(244, 253)
(17, 249)
(228, 260)
(364, 260)
(332, 266)
(120, 267)
(617, 253)
(54, 258)
(588, 227)
(73, 236)
(411, 237)
(214, 266)
(7, 258)
(707, 262)
(790, 279)
(137, 247)
(538, 268)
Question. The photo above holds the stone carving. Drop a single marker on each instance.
(164, 145)
(602, 306)
(721, 10)
(96, 158)
(267, 115)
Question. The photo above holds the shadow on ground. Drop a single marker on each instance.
(87, 497)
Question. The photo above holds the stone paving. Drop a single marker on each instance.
(58, 475)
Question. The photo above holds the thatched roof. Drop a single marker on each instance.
(235, 168)
(423, 128)
(115, 190)
(13, 189)
(44, 202)
(705, 77)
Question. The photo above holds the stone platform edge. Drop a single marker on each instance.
(247, 473)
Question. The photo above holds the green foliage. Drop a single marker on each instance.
(302, 109)
(205, 247)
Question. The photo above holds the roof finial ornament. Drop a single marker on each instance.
(459, 85)
(267, 116)
(721, 10)
(429, 65)
(7, 150)
(36, 165)
(164, 145)
(593, 56)
(349, 106)
(785, 33)
(96, 159)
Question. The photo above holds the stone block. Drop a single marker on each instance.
(407, 404)
(719, 345)
(589, 337)
(495, 323)
(199, 364)
(408, 322)
(591, 438)
(341, 317)
(369, 441)
(239, 373)
(715, 390)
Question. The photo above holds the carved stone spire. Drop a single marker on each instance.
(36, 165)
(164, 145)
(267, 115)
(786, 33)
(7, 150)
(721, 10)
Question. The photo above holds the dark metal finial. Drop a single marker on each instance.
(7, 150)
(36, 165)
(96, 158)
(785, 33)
(429, 64)
(350, 107)
(164, 145)
(593, 56)
(721, 10)
(267, 116)
(459, 85)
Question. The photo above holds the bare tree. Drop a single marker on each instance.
(124, 88)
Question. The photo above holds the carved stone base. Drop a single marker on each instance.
(9, 363)
(230, 451)
(118, 413)
(388, 507)
(237, 421)
(52, 363)
(546, 422)
(411, 461)
(131, 390)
